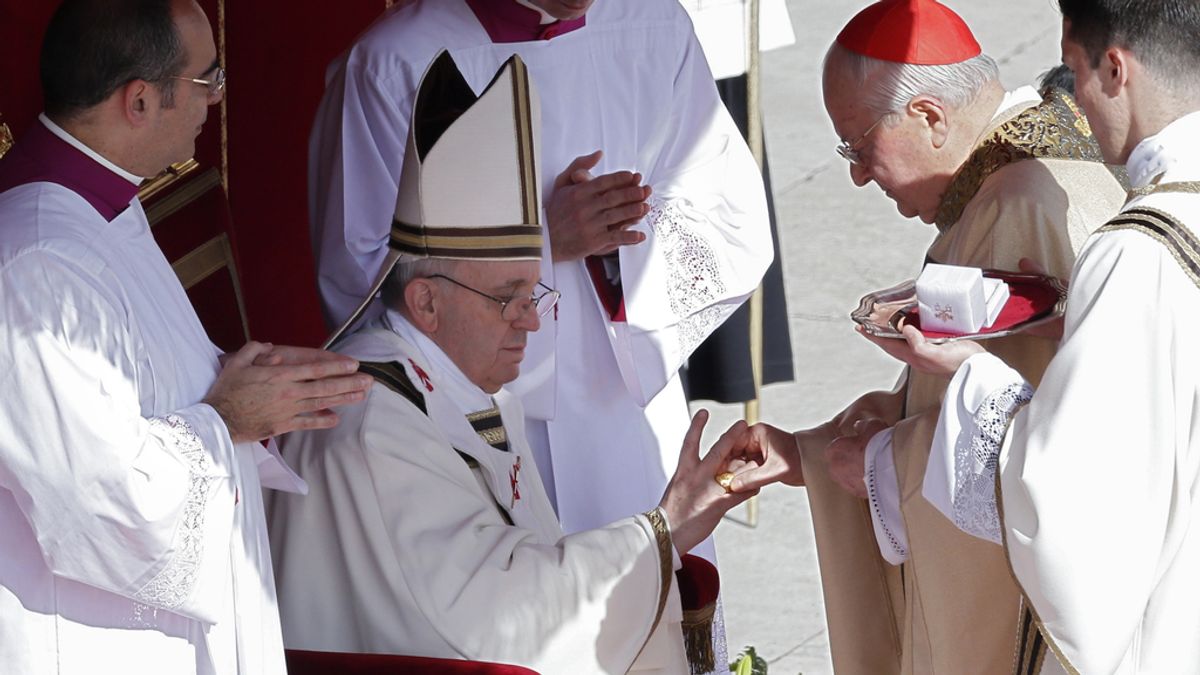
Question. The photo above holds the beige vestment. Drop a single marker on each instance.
(1034, 188)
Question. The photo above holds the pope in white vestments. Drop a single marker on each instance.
(605, 409)
(131, 525)
(427, 531)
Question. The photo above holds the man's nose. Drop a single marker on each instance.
(529, 320)
(860, 174)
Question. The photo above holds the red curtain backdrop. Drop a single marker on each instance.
(277, 53)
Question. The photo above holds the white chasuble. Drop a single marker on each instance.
(131, 526)
(420, 537)
(599, 383)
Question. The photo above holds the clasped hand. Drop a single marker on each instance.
(264, 390)
(589, 215)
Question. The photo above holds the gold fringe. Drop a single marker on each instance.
(698, 638)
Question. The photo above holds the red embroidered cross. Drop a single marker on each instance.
(422, 374)
(513, 479)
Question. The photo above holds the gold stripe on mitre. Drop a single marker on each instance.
(526, 152)
(501, 242)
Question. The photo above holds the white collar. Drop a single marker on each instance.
(1172, 148)
(78, 145)
(546, 18)
(1022, 96)
(466, 395)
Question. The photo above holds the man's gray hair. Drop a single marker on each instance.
(888, 86)
(406, 271)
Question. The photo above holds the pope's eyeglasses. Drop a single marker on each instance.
(514, 308)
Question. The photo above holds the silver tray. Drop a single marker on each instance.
(1039, 299)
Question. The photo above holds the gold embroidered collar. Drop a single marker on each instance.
(1052, 129)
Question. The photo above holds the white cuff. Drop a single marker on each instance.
(883, 493)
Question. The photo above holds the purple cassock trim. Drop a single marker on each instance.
(41, 157)
(508, 21)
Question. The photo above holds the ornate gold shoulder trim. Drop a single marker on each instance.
(1053, 129)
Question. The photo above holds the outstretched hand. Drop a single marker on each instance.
(591, 215)
(771, 455)
(693, 501)
(264, 391)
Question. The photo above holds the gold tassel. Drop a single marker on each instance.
(698, 639)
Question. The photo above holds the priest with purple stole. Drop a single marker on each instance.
(132, 528)
(655, 211)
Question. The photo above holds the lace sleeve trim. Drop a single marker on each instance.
(976, 460)
(172, 585)
(694, 275)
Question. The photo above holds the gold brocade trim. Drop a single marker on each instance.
(468, 243)
(483, 414)
(1192, 187)
(503, 242)
(493, 436)
(1166, 230)
(1053, 129)
(1037, 620)
(6, 139)
(662, 536)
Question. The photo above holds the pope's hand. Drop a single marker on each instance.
(693, 501)
(264, 391)
(589, 215)
(923, 355)
(846, 456)
(774, 457)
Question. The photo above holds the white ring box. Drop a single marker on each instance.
(958, 300)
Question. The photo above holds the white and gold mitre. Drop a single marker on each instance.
(469, 186)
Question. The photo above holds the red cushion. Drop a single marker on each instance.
(301, 662)
(699, 582)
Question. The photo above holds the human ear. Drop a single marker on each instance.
(1114, 70)
(135, 102)
(933, 116)
(420, 297)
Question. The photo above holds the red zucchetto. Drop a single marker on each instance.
(919, 32)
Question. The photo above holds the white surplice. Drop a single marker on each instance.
(606, 411)
(404, 547)
(132, 530)
(1100, 471)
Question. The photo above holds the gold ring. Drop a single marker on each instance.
(725, 480)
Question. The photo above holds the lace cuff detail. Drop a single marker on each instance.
(694, 282)
(172, 585)
(976, 461)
